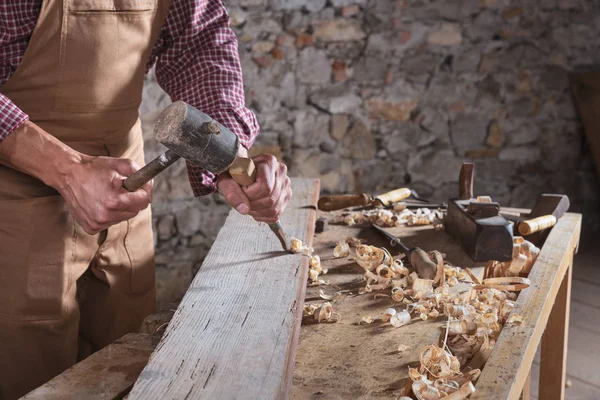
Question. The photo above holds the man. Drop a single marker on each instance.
(76, 250)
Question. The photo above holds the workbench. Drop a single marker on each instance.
(348, 360)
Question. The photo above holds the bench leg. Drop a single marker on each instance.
(553, 365)
(526, 394)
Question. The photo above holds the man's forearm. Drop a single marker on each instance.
(35, 152)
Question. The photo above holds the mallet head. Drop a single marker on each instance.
(196, 137)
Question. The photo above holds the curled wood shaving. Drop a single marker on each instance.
(296, 246)
(398, 216)
(320, 312)
(342, 249)
(334, 296)
(508, 283)
(399, 319)
(524, 256)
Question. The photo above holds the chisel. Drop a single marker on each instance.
(418, 258)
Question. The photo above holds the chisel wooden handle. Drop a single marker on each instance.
(419, 259)
(243, 171)
(532, 226)
(337, 202)
(394, 196)
(150, 170)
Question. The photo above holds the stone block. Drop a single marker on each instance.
(446, 35)
(391, 111)
(521, 154)
(468, 131)
(358, 142)
(166, 227)
(339, 126)
(340, 30)
(337, 99)
(188, 220)
(495, 137)
(310, 128)
(434, 167)
(313, 66)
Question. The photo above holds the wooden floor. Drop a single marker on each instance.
(583, 366)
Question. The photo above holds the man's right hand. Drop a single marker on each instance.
(91, 186)
(94, 194)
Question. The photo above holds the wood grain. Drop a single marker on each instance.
(235, 333)
(105, 375)
(506, 371)
(555, 341)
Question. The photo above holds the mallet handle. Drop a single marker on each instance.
(150, 170)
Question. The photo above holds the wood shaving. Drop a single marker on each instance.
(402, 348)
(334, 296)
(398, 216)
(399, 319)
(507, 283)
(524, 256)
(320, 312)
(515, 319)
(296, 246)
(342, 249)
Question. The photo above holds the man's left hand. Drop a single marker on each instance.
(266, 199)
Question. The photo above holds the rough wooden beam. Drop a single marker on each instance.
(236, 330)
(107, 374)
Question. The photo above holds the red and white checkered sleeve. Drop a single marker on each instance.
(11, 117)
(198, 62)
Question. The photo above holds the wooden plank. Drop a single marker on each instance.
(235, 333)
(507, 369)
(105, 375)
(555, 343)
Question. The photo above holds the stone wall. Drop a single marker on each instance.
(371, 95)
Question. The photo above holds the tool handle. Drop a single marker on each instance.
(337, 202)
(465, 181)
(243, 171)
(532, 226)
(150, 170)
(394, 196)
(419, 259)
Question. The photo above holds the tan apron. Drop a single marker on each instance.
(61, 289)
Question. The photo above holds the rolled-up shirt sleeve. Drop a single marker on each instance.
(197, 62)
(11, 117)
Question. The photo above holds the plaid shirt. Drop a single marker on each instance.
(195, 45)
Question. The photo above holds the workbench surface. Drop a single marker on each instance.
(346, 359)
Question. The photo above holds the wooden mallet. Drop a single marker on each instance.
(189, 133)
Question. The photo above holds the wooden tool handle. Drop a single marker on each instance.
(243, 171)
(465, 181)
(150, 170)
(394, 196)
(337, 202)
(426, 268)
(532, 226)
